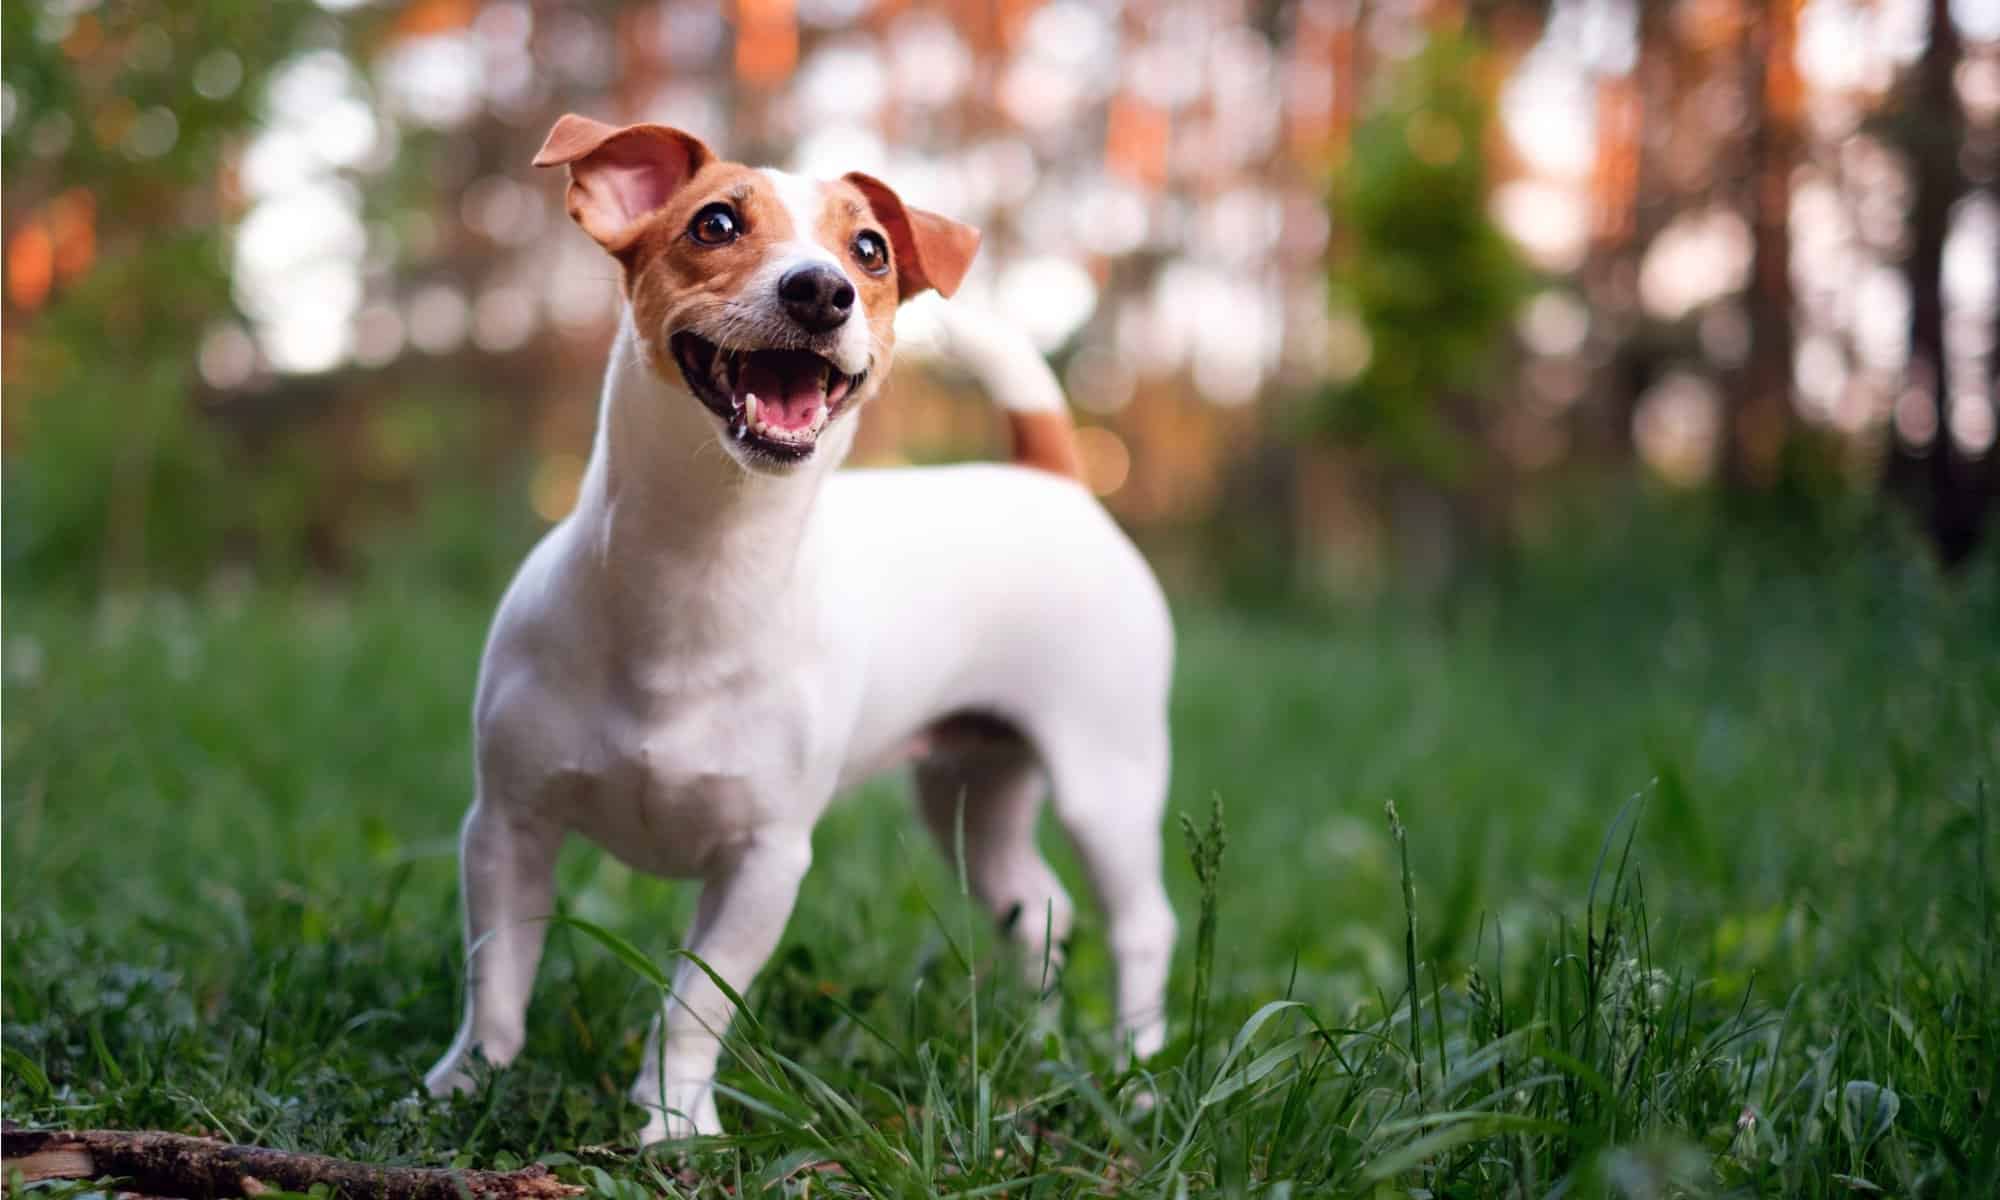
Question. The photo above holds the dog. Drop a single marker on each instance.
(725, 632)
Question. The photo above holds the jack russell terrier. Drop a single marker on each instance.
(725, 632)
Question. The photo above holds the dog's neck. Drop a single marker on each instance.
(692, 548)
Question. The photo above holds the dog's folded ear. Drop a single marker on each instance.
(929, 251)
(619, 173)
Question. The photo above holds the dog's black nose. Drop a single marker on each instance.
(818, 296)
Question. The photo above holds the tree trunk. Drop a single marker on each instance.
(1761, 407)
(1956, 492)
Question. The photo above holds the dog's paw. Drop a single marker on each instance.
(660, 1128)
(694, 1117)
(448, 1078)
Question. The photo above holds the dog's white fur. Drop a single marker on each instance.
(690, 666)
(800, 196)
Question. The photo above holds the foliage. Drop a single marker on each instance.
(130, 114)
(228, 904)
(1418, 265)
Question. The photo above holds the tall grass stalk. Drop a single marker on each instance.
(1397, 832)
(1205, 849)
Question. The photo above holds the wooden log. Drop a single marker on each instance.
(194, 1168)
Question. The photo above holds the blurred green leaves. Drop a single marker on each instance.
(132, 111)
(1421, 278)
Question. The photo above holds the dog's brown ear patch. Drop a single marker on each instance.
(929, 251)
(619, 173)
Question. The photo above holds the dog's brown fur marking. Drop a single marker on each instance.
(676, 282)
(1047, 441)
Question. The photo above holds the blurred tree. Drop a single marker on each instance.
(1953, 491)
(1759, 424)
(124, 119)
(1420, 267)
(1638, 112)
(139, 138)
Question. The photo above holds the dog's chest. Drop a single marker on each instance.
(676, 784)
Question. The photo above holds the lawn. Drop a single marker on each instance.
(1694, 884)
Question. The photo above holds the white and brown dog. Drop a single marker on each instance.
(726, 632)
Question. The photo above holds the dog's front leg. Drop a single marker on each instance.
(742, 913)
(507, 875)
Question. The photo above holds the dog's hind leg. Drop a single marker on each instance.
(1110, 800)
(998, 784)
(507, 878)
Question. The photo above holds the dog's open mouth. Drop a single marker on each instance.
(774, 402)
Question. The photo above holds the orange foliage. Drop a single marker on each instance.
(1614, 178)
(1784, 90)
(31, 266)
(59, 242)
(85, 38)
(1135, 141)
(767, 41)
(72, 219)
(1314, 51)
(434, 16)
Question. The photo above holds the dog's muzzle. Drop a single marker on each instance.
(774, 402)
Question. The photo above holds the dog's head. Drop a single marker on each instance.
(770, 296)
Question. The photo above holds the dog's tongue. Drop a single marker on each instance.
(786, 384)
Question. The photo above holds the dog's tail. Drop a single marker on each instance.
(1019, 380)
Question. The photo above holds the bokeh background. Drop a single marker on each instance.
(1349, 293)
(1572, 421)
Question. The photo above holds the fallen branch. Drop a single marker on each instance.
(174, 1164)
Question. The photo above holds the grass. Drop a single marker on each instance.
(1687, 888)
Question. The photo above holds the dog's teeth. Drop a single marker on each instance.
(750, 407)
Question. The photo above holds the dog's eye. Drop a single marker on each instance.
(871, 252)
(715, 225)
